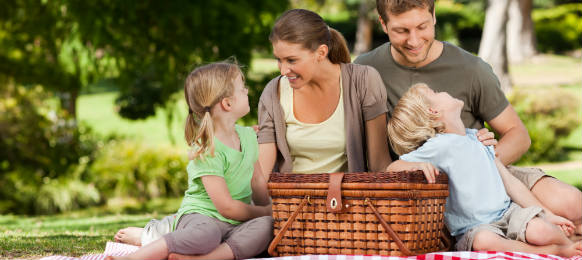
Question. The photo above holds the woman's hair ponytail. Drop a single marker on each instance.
(205, 87)
(338, 48)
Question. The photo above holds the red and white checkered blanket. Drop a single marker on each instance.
(118, 249)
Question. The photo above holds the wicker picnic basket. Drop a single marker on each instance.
(371, 213)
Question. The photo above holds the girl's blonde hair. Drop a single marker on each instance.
(412, 123)
(204, 88)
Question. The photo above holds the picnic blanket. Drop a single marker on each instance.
(118, 249)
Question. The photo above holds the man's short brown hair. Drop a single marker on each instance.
(400, 6)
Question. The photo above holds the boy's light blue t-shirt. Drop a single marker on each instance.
(476, 192)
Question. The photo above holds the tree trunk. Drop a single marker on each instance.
(69, 102)
(365, 26)
(520, 31)
(493, 47)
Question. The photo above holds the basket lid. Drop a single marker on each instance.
(358, 177)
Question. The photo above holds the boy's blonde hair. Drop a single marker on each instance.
(204, 88)
(412, 123)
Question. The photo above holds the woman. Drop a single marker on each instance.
(323, 114)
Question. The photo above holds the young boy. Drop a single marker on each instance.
(427, 132)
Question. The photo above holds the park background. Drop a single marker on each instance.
(92, 111)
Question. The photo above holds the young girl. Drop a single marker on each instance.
(426, 130)
(216, 219)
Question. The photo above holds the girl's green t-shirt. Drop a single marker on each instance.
(236, 167)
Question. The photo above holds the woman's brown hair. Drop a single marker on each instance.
(308, 29)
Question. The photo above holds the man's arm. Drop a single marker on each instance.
(514, 139)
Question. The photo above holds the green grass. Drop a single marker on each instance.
(570, 176)
(22, 237)
(73, 234)
(98, 111)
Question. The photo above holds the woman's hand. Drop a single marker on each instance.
(430, 172)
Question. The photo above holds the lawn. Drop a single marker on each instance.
(75, 233)
(106, 121)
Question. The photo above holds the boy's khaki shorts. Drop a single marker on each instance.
(529, 176)
(511, 226)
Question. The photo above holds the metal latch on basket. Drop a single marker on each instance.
(334, 193)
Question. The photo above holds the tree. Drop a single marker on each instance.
(146, 47)
(521, 42)
(366, 15)
(156, 44)
(493, 46)
(43, 47)
(508, 36)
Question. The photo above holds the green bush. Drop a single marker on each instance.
(549, 116)
(558, 29)
(43, 155)
(128, 169)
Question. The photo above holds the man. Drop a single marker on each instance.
(413, 56)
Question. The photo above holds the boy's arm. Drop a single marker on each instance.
(430, 172)
(259, 186)
(230, 208)
(521, 195)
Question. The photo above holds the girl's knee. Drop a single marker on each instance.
(261, 228)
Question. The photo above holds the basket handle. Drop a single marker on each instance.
(445, 239)
(389, 230)
(279, 235)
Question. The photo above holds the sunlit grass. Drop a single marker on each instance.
(98, 111)
(570, 176)
(74, 233)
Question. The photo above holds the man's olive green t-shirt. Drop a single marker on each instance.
(236, 167)
(456, 71)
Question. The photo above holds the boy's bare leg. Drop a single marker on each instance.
(562, 199)
(153, 251)
(223, 251)
(541, 232)
(486, 240)
(129, 235)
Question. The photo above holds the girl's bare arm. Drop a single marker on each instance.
(227, 206)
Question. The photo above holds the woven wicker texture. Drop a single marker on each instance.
(411, 207)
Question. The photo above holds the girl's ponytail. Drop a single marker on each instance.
(338, 48)
(205, 137)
